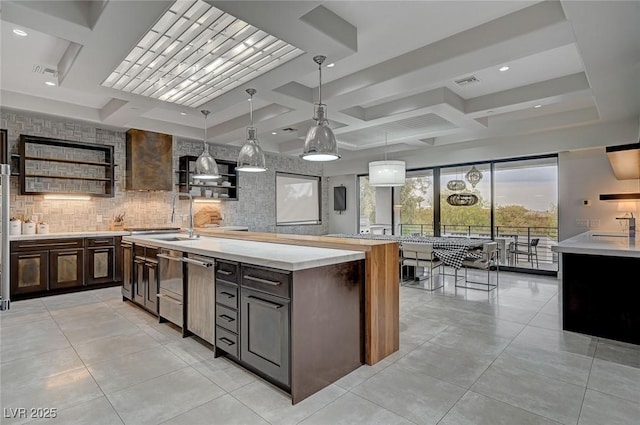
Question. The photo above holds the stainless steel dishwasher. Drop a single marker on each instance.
(201, 296)
(170, 296)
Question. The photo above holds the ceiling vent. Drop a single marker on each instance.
(43, 70)
(467, 80)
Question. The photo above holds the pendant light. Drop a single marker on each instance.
(251, 157)
(474, 176)
(387, 173)
(320, 143)
(206, 167)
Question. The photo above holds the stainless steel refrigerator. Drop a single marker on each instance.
(5, 295)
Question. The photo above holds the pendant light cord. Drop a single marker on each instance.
(319, 60)
(206, 114)
(320, 84)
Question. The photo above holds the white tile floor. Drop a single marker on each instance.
(465, 357)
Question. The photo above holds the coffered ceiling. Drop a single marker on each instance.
(411, 74)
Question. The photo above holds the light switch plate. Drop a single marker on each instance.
(594, 224)
(582, 222)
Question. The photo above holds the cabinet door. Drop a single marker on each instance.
(29, 272)
(151, 296)
(100, 265)
(201, 302)
(67, 266)
(264, 342)
(139, 280)
(127, 271)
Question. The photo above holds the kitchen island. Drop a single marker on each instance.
(599, 285)
(382, 271)
(291, 314)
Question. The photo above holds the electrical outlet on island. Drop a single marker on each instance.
(594, 224)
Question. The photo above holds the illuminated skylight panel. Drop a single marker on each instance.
(195, 53)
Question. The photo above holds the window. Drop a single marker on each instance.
(297, 199)
(414, 213)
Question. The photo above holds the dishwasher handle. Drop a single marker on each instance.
(205, 264)
(169, 257)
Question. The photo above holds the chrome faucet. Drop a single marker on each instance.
(632, 225)
(173, 212)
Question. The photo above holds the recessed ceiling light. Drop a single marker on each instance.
(183, 113)
(50, 83)
(503, 68)
(274, 132)
(19, 32)
(538, 106)
(331, 65)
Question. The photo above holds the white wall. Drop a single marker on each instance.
(347, 221)
(383, 205)
(584, 175)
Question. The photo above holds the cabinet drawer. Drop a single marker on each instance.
(102, 241)
(45, 244)
(227, 341)
(227, 318)
(227, 271)
(267, 280)
(170, 306)
(227, 294)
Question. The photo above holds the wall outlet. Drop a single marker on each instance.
(99, 218)
(582, 222)
(594, 224)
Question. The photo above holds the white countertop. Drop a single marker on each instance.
(67, 235)
(600, 243)
(279, 256)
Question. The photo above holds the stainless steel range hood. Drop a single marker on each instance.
(625, 162)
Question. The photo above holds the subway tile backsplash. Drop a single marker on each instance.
(255, 207)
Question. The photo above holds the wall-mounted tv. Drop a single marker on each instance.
(339, 198)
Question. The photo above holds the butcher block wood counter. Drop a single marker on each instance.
(382, 298)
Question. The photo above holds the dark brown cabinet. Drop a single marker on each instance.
(29, 272)
(264, 321)
(127, 270)
(42, 265)
(226, 318)
(145, 278)
(51, 266)
(66, 268)
(101, 264)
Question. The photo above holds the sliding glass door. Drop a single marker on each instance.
(414, 211)
(457, 189)
(526, 212)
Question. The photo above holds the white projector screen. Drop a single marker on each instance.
(297, 199)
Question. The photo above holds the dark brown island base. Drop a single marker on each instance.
(599, 288)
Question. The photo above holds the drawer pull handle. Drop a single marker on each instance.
(264, 302)
(228, 294)
(261, 280)
(205, 264)
(227, 341)
(225, 272)
(227, 318)
(169, 257)
(102, 241)
(49, 245)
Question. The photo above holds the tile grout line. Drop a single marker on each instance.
(586, 386)
(85, 365)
